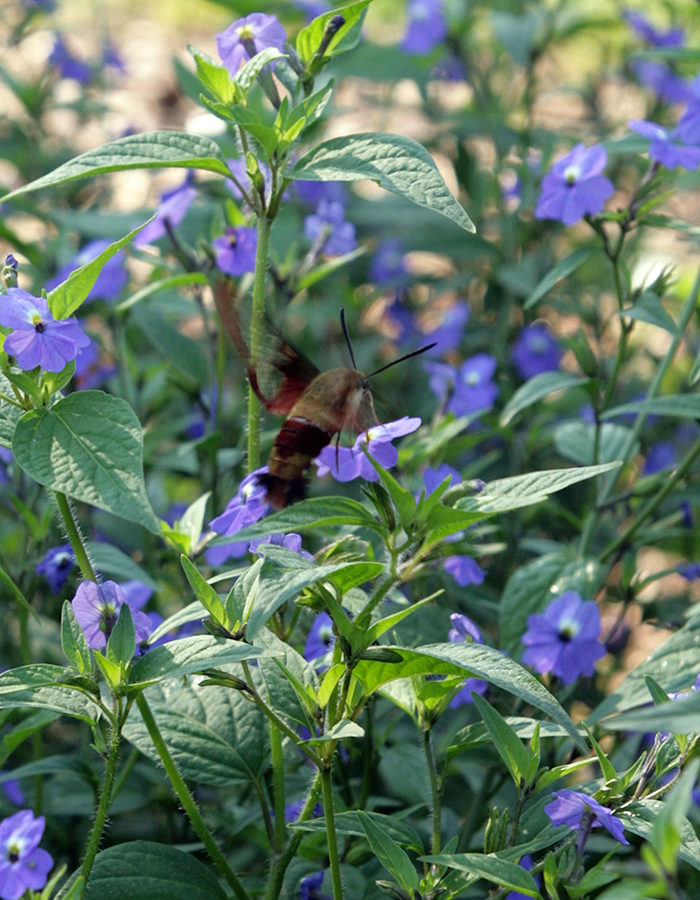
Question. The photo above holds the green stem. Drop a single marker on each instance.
(278, 791)
(280, 865)
(93, 844)
(257, 336)
(334, 859)
(75, 537)
(187, 800)
(434, 792)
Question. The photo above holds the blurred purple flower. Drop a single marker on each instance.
(239, 168)
(56, 565)
(309, 887)
(90, 371)
(526, 863)
(388, 267)
(427, 26)
(247, 506)
(581, 813)
(688, 128)
(171, 211)
(111, 280)
(464, 631)
(674, 37)
(23, 864)
(320, 639)
(433, 477)
(659, 78)
(312, 9)
(136, 592)
(348, 463)
(450, 68)
(46, 6)
(96, 608)
(464, 570)
(6, 459)
(311, 193)
(291, 541)
(247, 36)
(664, 147)
(111, 56)
(329, 220)
(292, 811)
(37, 339)
(402, 319)
(689, 571)
(68, 66)
(13, 790)
(449, 333)
(535, 351)
(660, 456)
(235, 251)
(565, 639)
(469, 387)
(574, 186)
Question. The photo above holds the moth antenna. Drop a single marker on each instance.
(347, 337)
(401, 359)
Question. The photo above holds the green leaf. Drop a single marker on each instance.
(144, 870)
(563, 268)
(215, 735)
(535, 389)
(396, 163)
(73, 641)
(674, 665)
(204, 592)
(288, 683)
(247, 74)
(477, 660)
(121, 645)
(667, 830)
(576, 441)
(640, 818)
(341, 731)
(533, 586)
(113, 563)
(476, 735)
(88, 445)
(154, 149)
(186, 656)
(524, 490)
(309, 38)
(507, 743)
(650, 309)
(8, 581)
(679, 406)
(213, 76)
(9, 413)
(392, 857)
(348, 823)
(176, 347)
(39, 686)
(680, 716)
(489, 867)
(163, 284)
(66, 297)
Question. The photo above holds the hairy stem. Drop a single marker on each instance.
(257, 331)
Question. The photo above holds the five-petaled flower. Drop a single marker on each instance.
(565, 638)
(469, 387)
(581, 813)
(37, 339)
(56, 565)
(235, 251)
(96, 607)
(574, 186)
(246, 506)
(23, 864)
(247, 36)
(535, 351)
(347, 463)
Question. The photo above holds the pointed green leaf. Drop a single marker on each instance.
(535, 389)
(204, 592)
(491, 868)
(393, 857)
(186, 656)
(88, 445)
(679, 406)
(121, 645)
(507, 743)
(73, 641)
(563, 268)
(640, 818)
(650, 309)
(346, 37)
(396, 163)
(247, 74)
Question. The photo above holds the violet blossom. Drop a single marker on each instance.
(246, 507)
(581, 813)
(247, 36)
(348, 463)
(96, 608)
(23, 864)
(235, 251)
(574, 186)
(55, 565)
(465, 631)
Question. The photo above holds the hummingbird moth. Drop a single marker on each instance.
(317, 405)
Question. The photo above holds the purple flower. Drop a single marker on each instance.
(291, 541)
(309, 887)
(239, 168)
(312, 9)
(56, 565)
(311, 193)
(664, 147)
(67, 65)
(111, 56)
(565, 639)
(672, 38)
(464, 570)
(111, 280)
(348, 463)
(401, 318)
(465, 631)
(427, 26)
(574, 186)
(96, 608)
(235, 251)
(472, 388)
(13, 790)
(247, 506)
(433, 478)
(23, 864)
(388, 267)
(247, 36)
(46, 6)
(90, 370)
(292, 811)
(535, 351)
(321, 638)
(689, 571)
(581, 813)
(663, 81)
(688, 129)
(526, 863)
(448, 334)
(171, 211)
(328, 227)
(661, 455)
(37, 338)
